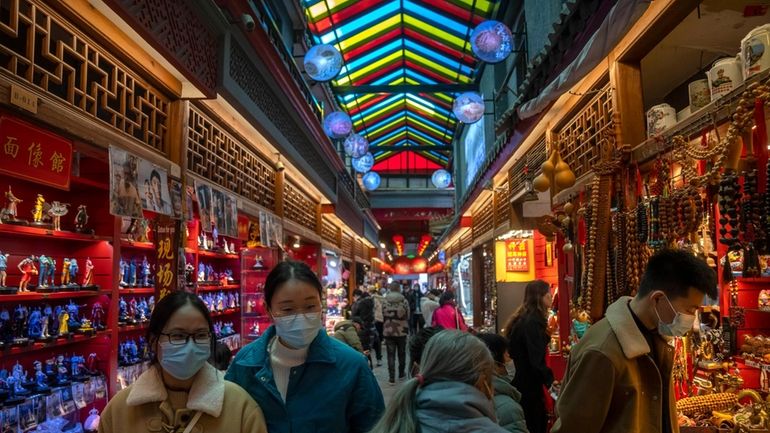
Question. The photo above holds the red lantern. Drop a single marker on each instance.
(419, 265)
(402, 265)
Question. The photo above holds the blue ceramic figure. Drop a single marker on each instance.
(201, 272)
(122, 310)
(50, 368)
(143, 353)
(123, 266)
(229, 274)
(20, 315)
(6, 330)
(77, 365)
(44, 264)
(73, 272)
(3, 267)
(41, 380)
(49, 278)
(145, 268)
(34, 324)
(132, 313)
(133, 351)
(20, 377)
(151, 304)
(218, 330)
(97, 315)
(142, 310)
(61, 371)
(132, 273)
(74, 318)
(228, 329)
(210, 273)
(123, 354)
(48, 322)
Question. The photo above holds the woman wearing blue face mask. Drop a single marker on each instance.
(304, 380)
(181, 392)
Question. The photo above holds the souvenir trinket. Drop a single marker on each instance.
(9, 213)
(755, 51)
(81, 220)
(699, 94)
(4, 273)
(28, 270)
(88, 278)
(55, 212)
(660, 118)
(724, 76)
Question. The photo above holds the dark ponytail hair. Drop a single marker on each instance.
(289, 270)
(166, 307)
(532, 306)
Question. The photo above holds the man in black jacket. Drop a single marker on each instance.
(363, 309)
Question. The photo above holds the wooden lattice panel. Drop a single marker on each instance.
(347, 243)
(42, 49)
(218, 156)
(533, 158)
(483, 219)
(466, 240)
(502, 203)
(328, 231)
(298, 207)
(579, 140)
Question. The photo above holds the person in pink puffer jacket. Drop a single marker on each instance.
(447, 315)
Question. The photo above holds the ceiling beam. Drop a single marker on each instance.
(407, 88)
(374, 149)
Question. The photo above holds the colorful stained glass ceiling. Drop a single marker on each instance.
(393, 49)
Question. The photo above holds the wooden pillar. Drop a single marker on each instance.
(626, 82)
(319, 218)
(279, 193)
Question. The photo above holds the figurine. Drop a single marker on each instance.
(49, 278)
(123, 273)
(74, 316)
(61, 370)
(35, 324)
(65, 272)
(10, 211)
(45, 323)
(143, 231)
(122, 311)
(81, 219)
(143, 352)
(132, 311)
(41, 380)
(580, 325)
(201, 272)
(229, 276)
(189, 274)
(214, 236)
(6, 327)
(73, 272)
(204, 242)
(56, 211)
(220, 301)
(3, 267)
(77, 366)
(20, 315)
(38, 212)
(254, 234)
(44, 264)
(232, 248)
(145, 268)
(231, 302)
(143, 311)
(97, 316)
(131, 280)
(250, 304)
(64, 323)
(133, 351)
(226, 248)
(20, 377)
(258, 263)
(210, 273)
(151, 304)
(88, 279)
(28, 269)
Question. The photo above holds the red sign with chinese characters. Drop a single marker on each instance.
(166, 242)
(34, 154)
(516, 255)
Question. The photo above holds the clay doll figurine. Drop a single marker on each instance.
(201, 272)
(34, 324)
(122, 311)
(210, 273)
(74, 316)
(132, 311)
(81, 219)
(45, 322)
(123, 276)
(20, 315)
(97, 316)
(189, 274)
(132, 273)
(214, 236)
(28, 269)
(88, 279)
(56, 211)
(73, 272)
(204, 241)
(41, 380)
(65, 272)
(11, 207)
(6, 329)
(64, 318)
(49, 279)
(39, 210)
(3, 267)
(143, 311)
(145, 268)
(44, 264)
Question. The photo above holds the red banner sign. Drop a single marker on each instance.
(516, 255)
(34, 154)
(166, 247)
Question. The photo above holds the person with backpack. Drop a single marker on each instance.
(377, 299)
(447, 315)
(395, 312)
(347, 332)
(363, 312)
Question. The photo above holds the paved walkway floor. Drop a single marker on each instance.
(388, 390)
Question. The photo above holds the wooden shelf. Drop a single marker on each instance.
(34, 296)
(58, 342)
(189, 250)
(753, 280)
(125, 243)
(226, 312)
(37, 232)
(137, 291)
(215, 255)
(218, 288)
(132, 328)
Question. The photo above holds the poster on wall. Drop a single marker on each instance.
(231, 216)
(153, 185)
(271, 230)
(176, 198)
(516, 255)
(203, 192)
(124, 194)
(189, 198)
(218, 210)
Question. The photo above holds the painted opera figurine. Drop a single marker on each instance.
(56, 211)
(88, 278)
(28, 269)
(38, 211)
(81, 219)
(3, 267)
(9, 213)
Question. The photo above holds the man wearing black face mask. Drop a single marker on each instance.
(619, 375)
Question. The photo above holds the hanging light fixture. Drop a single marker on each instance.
(441, 178)
(296, 243)
(338, 125)
(468, 107)
(529, 189)
(356, 145)
(371, 180)
(364, 163)
(492, 41)
(323, 62)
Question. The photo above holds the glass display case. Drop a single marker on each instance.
(256, 264)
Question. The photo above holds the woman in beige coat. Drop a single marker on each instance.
(181, 392)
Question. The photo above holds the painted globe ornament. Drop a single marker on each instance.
(492, 41)
(469, 107)
(337, 125)
(441, 179)
(364, 163)
(323, 62)
(356, 145)
(371, 181)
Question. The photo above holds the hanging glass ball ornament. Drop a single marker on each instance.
(364, 163)
(356, 145)
(337, 125)
(492, 41)
(371, 181)
(441, 179)
(323, 62)
(469, 107)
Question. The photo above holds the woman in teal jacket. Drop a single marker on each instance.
(304, 380)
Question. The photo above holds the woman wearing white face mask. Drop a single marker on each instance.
(181, 392)
(304, 380)
(510, 414)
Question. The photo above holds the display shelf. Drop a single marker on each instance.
(132, 328)
(212, 254)
(57, 342)
(137, 291)
(27, 231)
(218, 288)
(125, 243)
(763, 280)
(255, 271)
(34, 296)
(227, 312)
(189, 250)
